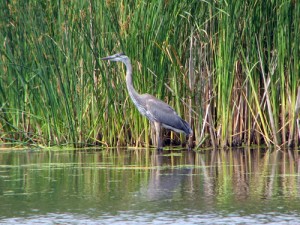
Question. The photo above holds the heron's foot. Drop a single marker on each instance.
(159, 149)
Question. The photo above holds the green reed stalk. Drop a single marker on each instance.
(54, 89)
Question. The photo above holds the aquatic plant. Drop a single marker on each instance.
(230, 68)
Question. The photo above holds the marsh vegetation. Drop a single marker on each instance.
(230, 68)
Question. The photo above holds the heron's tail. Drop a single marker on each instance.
(187, 129)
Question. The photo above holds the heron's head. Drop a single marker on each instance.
(117, 57)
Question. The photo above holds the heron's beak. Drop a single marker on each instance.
(107, 58)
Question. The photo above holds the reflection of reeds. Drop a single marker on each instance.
(232, 70)
(214, 179)
(253, 174)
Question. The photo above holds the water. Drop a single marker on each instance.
(240, 186)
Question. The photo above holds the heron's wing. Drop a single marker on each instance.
(165, 114)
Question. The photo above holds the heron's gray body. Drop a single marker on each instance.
(157, 111)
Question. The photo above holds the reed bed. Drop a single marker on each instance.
(230, 68)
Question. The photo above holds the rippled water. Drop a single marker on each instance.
(241, 186)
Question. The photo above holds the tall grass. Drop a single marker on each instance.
(229, 68)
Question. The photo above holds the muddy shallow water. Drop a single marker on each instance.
(241, 186)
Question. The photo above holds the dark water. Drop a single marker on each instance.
(241, 186)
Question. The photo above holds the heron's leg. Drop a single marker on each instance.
(158, 135)
(153, 136)
(189, 140)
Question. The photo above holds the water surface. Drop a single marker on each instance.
(241, 186)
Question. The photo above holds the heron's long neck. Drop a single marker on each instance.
(132, 92)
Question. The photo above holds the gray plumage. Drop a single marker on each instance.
(157, 111)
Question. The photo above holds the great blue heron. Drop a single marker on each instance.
(158, 112)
